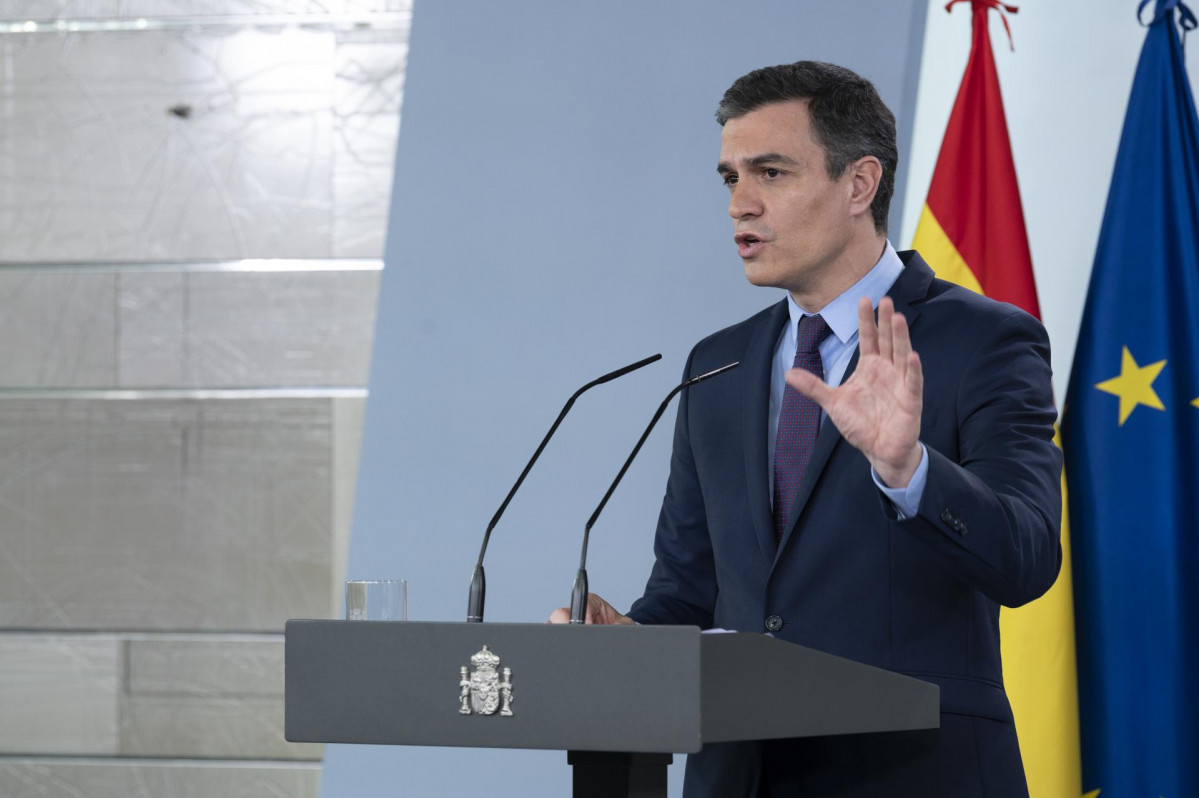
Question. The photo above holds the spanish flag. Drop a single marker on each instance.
(971, 232)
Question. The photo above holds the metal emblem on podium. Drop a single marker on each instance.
(481, 690)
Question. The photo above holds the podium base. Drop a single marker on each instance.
(603, 774)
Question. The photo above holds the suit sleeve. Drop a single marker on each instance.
(993, 516)
(682, 585)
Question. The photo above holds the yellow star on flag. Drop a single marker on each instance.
(1091, 794)
(1134, 386)
(1195, 401)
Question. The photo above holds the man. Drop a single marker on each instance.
(881, 504)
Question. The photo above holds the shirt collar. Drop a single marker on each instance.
(841, 315)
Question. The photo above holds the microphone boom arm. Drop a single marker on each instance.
(478, 583)
(578, 598)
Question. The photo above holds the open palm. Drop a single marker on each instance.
(877, 410)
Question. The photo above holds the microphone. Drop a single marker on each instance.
(478, 584)
(578, 596)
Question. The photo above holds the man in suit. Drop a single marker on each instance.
(892, 494)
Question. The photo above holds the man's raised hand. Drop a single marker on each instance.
(878, 408)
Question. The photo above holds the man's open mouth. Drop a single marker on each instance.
(748, 244)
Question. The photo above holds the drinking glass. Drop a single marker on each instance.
(377, 600)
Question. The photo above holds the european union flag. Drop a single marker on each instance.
(1131, 440)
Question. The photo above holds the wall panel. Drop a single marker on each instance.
(181, 404)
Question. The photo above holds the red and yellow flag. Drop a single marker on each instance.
(971, 232)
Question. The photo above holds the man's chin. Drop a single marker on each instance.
(760, 276)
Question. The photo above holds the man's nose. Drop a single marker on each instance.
(743, 202)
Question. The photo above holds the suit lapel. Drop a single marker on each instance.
(910, 287)
(756, 408)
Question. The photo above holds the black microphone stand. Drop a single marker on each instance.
(478, 583)
(578, 595)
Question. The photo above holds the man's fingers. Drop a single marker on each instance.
(809, 385)
(886, 311)
(915, 377)
(562, 615)
(867, 332)
(598, 610)
(901, 342)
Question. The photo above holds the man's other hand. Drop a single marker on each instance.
(598, 611)
(878, 408)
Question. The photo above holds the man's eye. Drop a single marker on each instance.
(772, 173)
(730, 180)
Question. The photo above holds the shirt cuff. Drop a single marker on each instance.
(906, 500)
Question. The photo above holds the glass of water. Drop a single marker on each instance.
(377, 600)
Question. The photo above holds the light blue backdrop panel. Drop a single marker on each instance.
(556, 214)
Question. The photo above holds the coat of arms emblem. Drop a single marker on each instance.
(481, 691)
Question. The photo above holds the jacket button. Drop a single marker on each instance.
(774, 623)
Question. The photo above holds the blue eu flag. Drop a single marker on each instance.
(1131, 439)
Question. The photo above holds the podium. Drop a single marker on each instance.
(621, 700)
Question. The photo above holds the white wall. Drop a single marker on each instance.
(1065, 90)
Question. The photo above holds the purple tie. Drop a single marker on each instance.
(799, 422)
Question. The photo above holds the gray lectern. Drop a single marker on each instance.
(620, 699)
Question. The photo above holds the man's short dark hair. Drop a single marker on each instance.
(849, 119)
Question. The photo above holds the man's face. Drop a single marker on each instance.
(791, 221)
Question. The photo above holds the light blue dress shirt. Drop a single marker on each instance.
(836, 351)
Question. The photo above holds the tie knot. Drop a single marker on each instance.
(812, 332)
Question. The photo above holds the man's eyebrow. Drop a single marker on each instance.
(725, 167)
(772, 157)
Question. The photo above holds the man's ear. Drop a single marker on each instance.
(865, 175)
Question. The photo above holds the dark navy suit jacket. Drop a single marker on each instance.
(919, 596)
